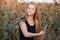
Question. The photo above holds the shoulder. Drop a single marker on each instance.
(22, 22)
(22, 19)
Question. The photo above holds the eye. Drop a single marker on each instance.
(28, 7)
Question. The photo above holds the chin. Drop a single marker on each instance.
(29, 14)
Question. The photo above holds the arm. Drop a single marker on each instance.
(25, 31)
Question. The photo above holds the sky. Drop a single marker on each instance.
(41, 1)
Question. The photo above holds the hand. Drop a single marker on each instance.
(42, 32)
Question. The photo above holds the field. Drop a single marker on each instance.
(10, 13)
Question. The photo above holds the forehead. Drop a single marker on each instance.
(31, 5)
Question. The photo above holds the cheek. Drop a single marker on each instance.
(30, 12)
(27, 11)
(33, 11)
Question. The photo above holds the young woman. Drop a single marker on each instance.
(30, 23)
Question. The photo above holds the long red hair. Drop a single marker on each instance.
(36, 17)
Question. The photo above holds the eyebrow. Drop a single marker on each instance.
(29, 7)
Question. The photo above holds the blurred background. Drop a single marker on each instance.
(12, 10)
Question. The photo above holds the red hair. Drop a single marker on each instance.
(36, 17)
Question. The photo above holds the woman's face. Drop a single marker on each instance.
(31, 10)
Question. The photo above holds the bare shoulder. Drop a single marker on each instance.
(22, 19)
(22, 22)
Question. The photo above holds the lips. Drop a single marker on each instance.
(29, 11)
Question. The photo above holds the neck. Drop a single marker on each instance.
(29, 17)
